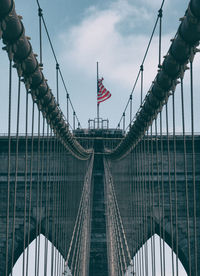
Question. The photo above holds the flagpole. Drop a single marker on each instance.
(97, 95)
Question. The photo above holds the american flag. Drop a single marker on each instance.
(103, 93)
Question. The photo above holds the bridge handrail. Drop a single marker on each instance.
(19, 50)
(181, 51)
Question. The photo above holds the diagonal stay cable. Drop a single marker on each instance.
(55, 57)
(144, 58)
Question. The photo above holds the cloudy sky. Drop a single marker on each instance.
(113, 32)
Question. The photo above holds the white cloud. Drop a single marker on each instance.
(98, 38)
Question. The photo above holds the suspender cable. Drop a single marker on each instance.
(47, 200)
(186, 178)
(175, 183)
(160, 14)
(146, 203)
(57, 82)
(30, 188)
(124, 122)
(25, 183)
(134, 204)
(59, 208)
(150, 194)
(58, 203)
(8, 163)
(138, 212)
(16, 173)
(131, 186)
(131, 108)
(162, 191)
(142, 205)
(37, 198)
(67, 107)
(63, 197)
(170, 189)
(193, 169)
(40, 33)
(41, 195)
(53, 205)
(62, 211)
(74, 120)
(158, 184)
(153, 222)
(142, 83)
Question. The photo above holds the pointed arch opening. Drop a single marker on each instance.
(41, 257)
(156, 258)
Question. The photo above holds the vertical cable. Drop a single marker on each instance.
(47, 202)
(9, 161)
(67, 108)
(153, 202)
(16, 173)
(175, 183)
(145, 204)
(62, 210)
(131, 108)
(158, 183)
(57, 82)
(51, 167)
(170, 189)
(131, 187)
(41, 195)
(142, 82)
(74, 118)
(40, 33)
(160, 14)
(37, 198)
(38, 211)
(57, 209)
(142, 199)
(135, 207)
(124, 122)
(58, 203)
(193, 169)
(162, 192)
(186, 178)
(53, 228)
(161, 212)
(25, 183)
(137, 210)
(30, 188)
(149, 150)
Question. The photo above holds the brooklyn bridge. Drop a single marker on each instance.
(100, 195)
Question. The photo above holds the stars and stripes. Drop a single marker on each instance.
(103, 93)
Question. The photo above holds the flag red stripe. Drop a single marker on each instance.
(103, 93)
(103, 96)
(104, 99)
